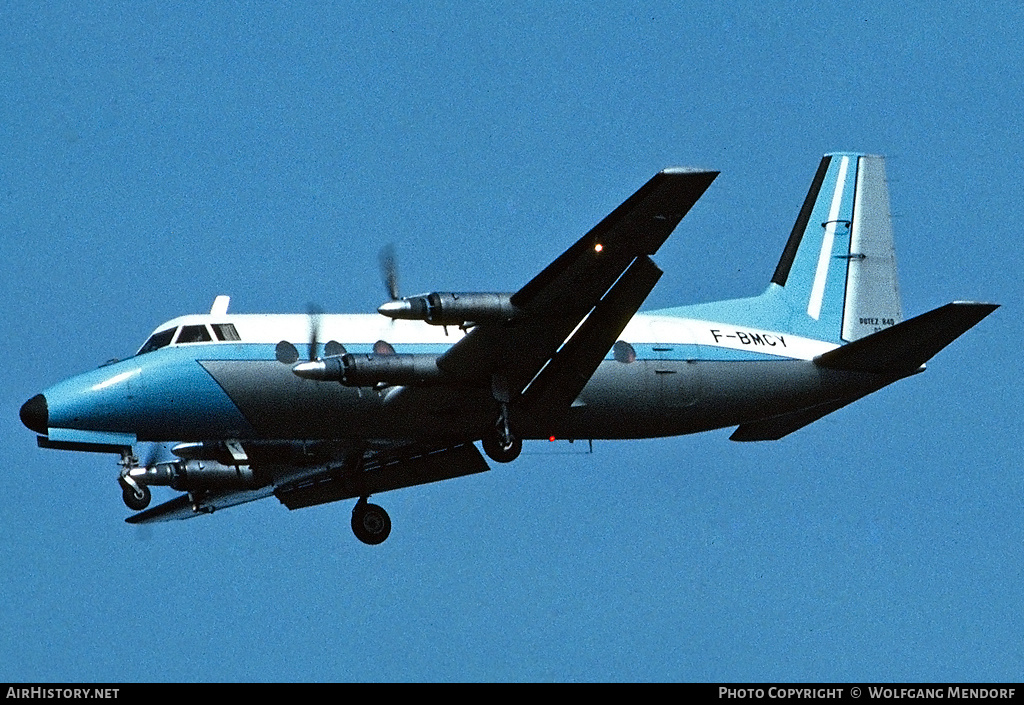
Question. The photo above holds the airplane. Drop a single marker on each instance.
(259, 406)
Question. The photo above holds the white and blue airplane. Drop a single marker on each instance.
(257, 405)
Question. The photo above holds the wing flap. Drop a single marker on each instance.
(386, 473)
(562, 380)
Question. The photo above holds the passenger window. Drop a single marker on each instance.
(193, 334)
(157, 341)
(623, 352)
(225, 331)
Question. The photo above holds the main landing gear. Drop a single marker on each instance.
(501, 445)
(370, 523)
(502, 450)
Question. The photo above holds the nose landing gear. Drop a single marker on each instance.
(136, 496)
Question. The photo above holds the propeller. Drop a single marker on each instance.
(287, 354)
(389, 270)
(314, 312)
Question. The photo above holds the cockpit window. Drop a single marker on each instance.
(193, 334)
(157, 341)
(225, 331)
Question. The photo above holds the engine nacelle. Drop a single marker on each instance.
(452, 309)
(369, 370)
(204, 450)
(191, 475)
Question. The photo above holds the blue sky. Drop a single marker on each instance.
(155, 155)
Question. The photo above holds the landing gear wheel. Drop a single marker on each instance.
(502, 452)
(136, 500)
(370, 523)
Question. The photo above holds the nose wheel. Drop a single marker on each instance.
(370, 523)
(136, 497)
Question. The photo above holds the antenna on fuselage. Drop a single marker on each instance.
(220, 305)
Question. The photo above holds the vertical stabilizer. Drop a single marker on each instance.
(836, 279)
(838, 271)
(872, 287)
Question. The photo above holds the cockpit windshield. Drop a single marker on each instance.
(223, 332)
(157, 341)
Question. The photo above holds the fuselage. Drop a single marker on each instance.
(210, 376)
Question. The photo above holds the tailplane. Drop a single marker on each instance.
(904, 348)
(893, 353)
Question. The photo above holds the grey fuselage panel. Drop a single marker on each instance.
(642, 399)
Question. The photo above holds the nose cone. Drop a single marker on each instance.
(35, 414)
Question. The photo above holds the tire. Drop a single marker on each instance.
(135, 502)
(499, 452)
(370, 523)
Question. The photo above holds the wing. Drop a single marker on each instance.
(571, 314)
(600, 282)
(182, 507)
(371, 472)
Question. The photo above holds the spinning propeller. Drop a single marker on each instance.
(389, 270)
(314, 313)
(316, 367)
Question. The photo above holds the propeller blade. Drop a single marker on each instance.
(389, 270)
(314, 329)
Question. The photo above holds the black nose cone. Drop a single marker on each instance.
(35, 414)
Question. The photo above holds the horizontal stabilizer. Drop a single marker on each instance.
(906, 346)
(778, 426)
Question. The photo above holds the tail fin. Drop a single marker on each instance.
(837, 278)
(838, 271)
